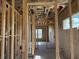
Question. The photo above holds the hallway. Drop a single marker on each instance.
(44, 51)
(39, 29)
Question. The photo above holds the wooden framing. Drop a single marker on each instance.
(3, 28)
(71, 31)
(11, 7)
(57, 32)
(37, 38)
(20, 37)
(33, 34)
(25, 30)
(18, 34)
(15, 46)
(20, 30)
(8, 28)
(10, 12)
(41, 3)
(12, 40)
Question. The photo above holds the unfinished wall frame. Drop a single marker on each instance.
(7, 34)
(8, 25)
(18, 34)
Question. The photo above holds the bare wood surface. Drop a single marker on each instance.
(12, 40)
(3, 28)
(25, 31)
(33, 34)
(57, 32)
(8, 27)
(71, 31)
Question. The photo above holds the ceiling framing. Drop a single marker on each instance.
(18, 3)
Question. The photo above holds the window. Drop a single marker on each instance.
(66, 24)
(39, 33)
(75, 22)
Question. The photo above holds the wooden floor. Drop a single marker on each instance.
(45, 51)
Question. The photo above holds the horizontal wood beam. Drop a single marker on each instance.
(46, 3)
(41, 3)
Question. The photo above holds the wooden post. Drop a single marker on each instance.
(3, 28)
(16, 37)
(12, 36)
(33, 34)
(37, 39)
(17, 34)
(46, 32)
(8, 21)
(8, 27)
(20, 29)
(57, 32)
(20, 35)
(71, 31)
(25, 30)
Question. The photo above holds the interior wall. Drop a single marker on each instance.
(64, 35)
